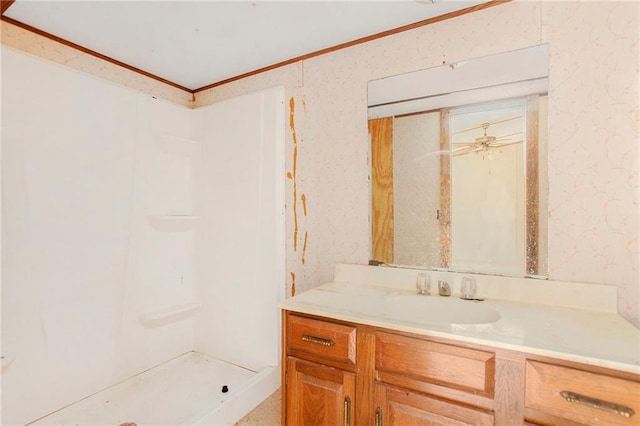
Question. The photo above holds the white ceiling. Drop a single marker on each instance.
(197, 43)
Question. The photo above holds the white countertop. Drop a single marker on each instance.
(589, 336)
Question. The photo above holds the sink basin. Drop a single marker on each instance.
(391, 304)
(365, 300)
(432, 310)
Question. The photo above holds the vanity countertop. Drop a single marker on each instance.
(588, 336)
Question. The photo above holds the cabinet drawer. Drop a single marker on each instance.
(323, 340)
(460, 368)
(398, 407)
(581, 396)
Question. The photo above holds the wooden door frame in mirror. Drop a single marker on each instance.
(532, 200)
(381, 145)
(444, 213)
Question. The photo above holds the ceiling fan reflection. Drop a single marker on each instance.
(485, 143)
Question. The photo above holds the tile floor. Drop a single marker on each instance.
(265, 414)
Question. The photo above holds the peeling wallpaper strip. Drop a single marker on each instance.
(293, 284)
(292, 176)
(304, 247)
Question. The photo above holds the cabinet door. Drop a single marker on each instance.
(400, 407)
(318, 395)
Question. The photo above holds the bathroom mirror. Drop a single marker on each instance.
(458, 170)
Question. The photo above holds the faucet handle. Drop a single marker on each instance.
(423, 283)
(443, 288)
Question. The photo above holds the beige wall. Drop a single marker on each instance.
(593, 135)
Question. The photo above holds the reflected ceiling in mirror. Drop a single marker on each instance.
(458, 177)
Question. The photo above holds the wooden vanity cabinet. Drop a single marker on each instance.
(338, 373)
(401, 380)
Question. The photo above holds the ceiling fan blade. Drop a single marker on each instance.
(500, 145)
(463, 151)
(463, 148)
(508, 136)
(431, 154)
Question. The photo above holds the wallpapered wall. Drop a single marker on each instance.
(593, 133)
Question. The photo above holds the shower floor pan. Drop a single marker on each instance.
(187, 390)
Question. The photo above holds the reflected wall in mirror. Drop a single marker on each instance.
(458, 179)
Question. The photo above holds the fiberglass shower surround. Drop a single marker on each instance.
(134, 232)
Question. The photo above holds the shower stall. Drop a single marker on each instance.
(142, 251)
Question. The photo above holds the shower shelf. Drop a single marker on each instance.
(176, 145)
(168, 315)
(173, 222)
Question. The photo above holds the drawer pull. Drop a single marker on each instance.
(319, 340)
(600, 404)
(347, 411)
(378, 416)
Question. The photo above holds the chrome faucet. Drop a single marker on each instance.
(443, 288)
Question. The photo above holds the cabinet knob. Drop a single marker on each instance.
(378, 416)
